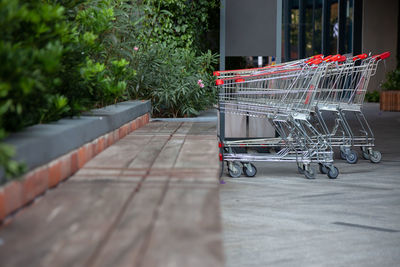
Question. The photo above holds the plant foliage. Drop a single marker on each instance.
(392, 80)
(62, 57)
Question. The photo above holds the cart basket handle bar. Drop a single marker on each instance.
(382, 56)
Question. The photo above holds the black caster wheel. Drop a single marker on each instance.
(365, 153)
(352, 157)
(234, 169)
(310, 173)
(333, 172)
(249, 169)
(375, 156)
(323, 169)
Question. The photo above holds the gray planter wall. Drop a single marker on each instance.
(40, 144)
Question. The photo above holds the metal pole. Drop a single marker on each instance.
(326, 10)
(287, 29)
(278, 58)
(302, 29)
(342, 27)
(222, 31)
(357, 27)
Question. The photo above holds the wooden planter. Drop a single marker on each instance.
(390, 100)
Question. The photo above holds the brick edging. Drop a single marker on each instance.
(18, 193)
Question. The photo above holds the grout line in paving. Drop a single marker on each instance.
(143, 249)
(367, 227)
(92, 259)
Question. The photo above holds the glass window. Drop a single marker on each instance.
(349, 27)
(290, 29)
(313, 17)
(334, 27)
(313, 32)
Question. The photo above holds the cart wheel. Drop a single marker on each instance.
(333, 172)
(352, 157)
(323, 169)
(365, 153)
(249, 169)
(234, 169)
(310, 174)
(300, 169)
(375, 156)
(342, 154)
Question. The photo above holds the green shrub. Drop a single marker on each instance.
(56, 61)
(372, 96)
(392, 80)
(169, 60)
(31, 49)
(62, 57)
(176, 23)
(178, 82)
(96, 72)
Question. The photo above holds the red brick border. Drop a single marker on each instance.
(17, 193)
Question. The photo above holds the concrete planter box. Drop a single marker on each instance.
(390, 100)
(55, 151)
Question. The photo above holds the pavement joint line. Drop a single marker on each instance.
(145, 245)
(341, 184)
(321, 195)
(367, 227)
(188, 170)
(92, 259)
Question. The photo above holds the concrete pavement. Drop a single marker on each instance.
(279, 218)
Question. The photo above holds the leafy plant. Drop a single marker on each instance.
(177, 23)
(392, 80)
(62, 57)
(372, 96)
(178, 82)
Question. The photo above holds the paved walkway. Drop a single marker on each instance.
(279, 218)
(151, 199)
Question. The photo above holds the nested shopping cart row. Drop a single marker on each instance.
(295, 97)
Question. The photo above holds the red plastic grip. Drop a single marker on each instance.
(219, 82)
(360, 56)
(381, 56)
(384, 55)
(240, 80)
(342, 59)
(335, 58)
(317, 61)
(216, 73)
(327, 58)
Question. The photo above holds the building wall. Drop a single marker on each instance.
(380, 30)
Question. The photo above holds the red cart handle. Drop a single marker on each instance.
(327, 58)
(335, 58)
(316, 61)
(382, 56)
(342, 59)
(219, 82)
(360, 56)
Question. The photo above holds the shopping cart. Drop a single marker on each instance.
(338, 85)
(343, 92)
(285, 97)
